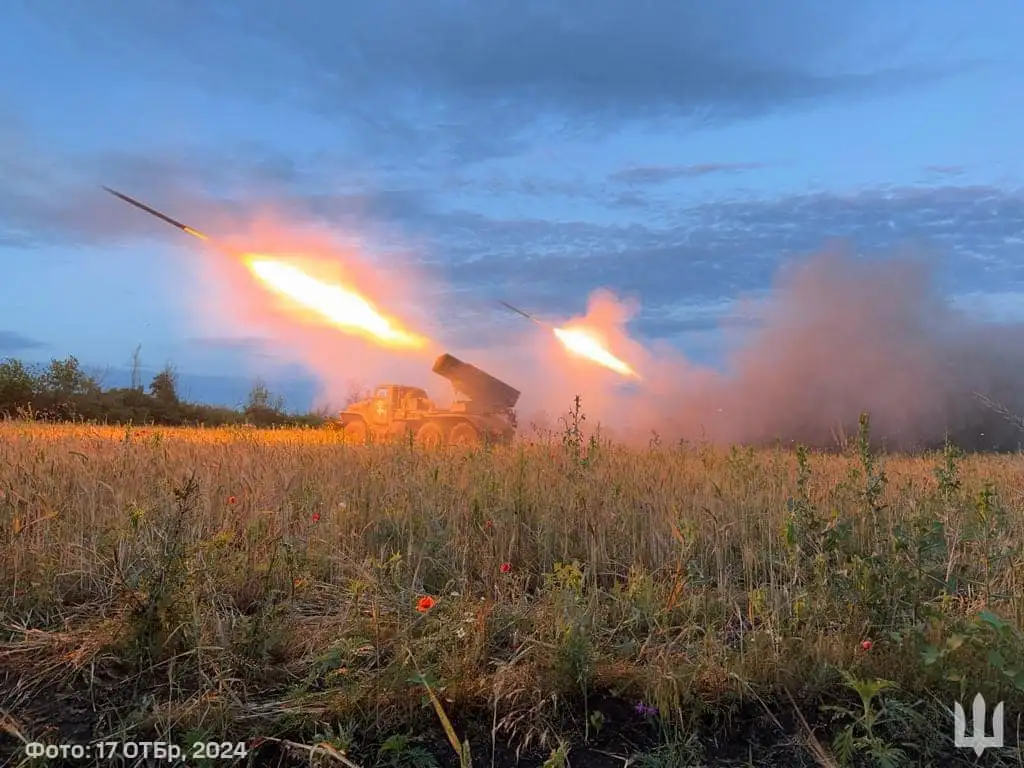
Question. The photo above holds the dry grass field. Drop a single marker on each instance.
(568, 600)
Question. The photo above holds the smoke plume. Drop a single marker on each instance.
(839, 335)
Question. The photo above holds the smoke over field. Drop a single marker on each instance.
(837, 335)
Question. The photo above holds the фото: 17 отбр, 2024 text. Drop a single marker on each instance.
(154, 750)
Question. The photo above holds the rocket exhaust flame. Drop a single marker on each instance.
(333, 304)
(583, 342)
(340, 307)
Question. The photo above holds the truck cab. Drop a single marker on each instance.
(397, 402)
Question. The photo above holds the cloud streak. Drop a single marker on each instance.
(12, 341)
(660, 174)
(946, 170)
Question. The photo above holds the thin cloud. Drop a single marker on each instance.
(12, 341)
(946, 170)
(660, 174)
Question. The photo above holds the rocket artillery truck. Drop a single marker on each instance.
(482, 411)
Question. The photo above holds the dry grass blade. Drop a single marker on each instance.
(461, 748)
(821, 755)
(10, 726)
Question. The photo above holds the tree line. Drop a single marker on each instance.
(63, 391)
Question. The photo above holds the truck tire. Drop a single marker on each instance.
(464, 434)
(430, 435)
(355, 432)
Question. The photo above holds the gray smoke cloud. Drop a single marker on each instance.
(839, 335)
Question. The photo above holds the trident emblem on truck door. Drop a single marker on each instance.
(977, 740)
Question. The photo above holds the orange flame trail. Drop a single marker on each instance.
(583, 342)
(334, 304)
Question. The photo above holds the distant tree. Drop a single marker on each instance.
(137, 368)
(260, 396)
(164, 387)
(18, 386)
(64, 391)
(127, 405)
(65, 379)
(262, 407)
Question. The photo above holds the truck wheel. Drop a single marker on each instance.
(430, 435)
(355, 433)
(464, 434)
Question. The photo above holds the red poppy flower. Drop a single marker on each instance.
(867, 645)
(231, 499)
(506, 567)
(316, 517)
(425, 604)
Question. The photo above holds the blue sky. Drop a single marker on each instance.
(675, 153)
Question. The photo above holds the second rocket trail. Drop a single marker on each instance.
(152, 211)
(527, 315)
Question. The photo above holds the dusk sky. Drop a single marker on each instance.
(676, 153)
